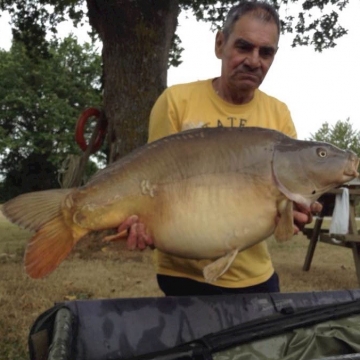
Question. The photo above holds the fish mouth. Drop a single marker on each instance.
(352, 166)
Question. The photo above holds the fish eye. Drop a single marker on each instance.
(321, 152)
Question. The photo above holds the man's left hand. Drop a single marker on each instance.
(303, 216)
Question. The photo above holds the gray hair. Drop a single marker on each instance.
(260, 9)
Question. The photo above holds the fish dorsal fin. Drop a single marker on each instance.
(285, 227)
(217, 268)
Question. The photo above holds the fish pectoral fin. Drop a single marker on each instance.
(285, 227)
(217, 268)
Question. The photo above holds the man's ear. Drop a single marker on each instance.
(219, 44)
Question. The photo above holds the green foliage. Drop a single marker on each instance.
(40, 101)
(342, 135)
(176, 50)
(33, 20)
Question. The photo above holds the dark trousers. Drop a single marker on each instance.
(179, 286)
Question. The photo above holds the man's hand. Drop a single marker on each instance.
(135, 233)
(138, 237)
(303, 216)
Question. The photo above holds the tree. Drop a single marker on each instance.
(40, 101)
(342, 135)
(137, 38)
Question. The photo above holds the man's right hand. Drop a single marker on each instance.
(138, 237)
(135, 233)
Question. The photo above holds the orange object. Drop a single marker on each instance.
(80, 127)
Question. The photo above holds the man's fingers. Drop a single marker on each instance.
(300, 217)
(132, 237)
(316, 207)
(138, 238)
(130, 221)
(144, 238)
(304, 215)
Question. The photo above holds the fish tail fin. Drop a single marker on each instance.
(54, 238)
(50, 245)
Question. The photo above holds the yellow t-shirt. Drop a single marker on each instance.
(193, 105)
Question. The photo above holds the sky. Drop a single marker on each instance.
(317, 87)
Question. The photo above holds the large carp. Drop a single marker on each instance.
(203, 193)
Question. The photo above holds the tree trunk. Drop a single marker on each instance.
(136, 38)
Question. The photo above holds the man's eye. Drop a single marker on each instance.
(266, 53)
(243, 47)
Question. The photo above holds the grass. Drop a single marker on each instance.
(332, 267)
(94, 271)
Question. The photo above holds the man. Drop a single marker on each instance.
(246, 46)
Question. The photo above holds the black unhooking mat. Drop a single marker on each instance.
(313, 325)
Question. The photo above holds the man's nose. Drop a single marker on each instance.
(253, 59)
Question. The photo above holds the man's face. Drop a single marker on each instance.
(247, 54)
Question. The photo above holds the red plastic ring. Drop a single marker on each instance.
(80, 127)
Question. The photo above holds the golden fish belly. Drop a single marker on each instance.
(206, 217)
